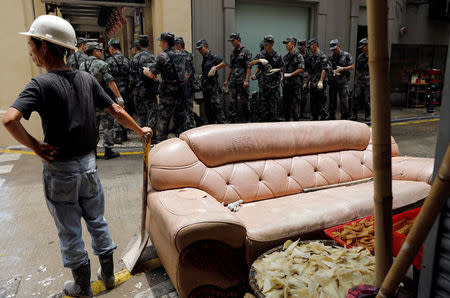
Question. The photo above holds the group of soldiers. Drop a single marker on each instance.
(305, 72)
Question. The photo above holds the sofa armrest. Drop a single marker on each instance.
(412, 168)
(189, 215)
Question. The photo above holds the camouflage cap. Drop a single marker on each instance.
(113, 42)
(363, 42)
(81, 40)
(93, 45)
(290, 39)
(144, 40)
(179, 40)
(313, 41)
(334, 44)
(301, 43)
(268, 39)
(235, 35)
(201, 43)
(167, 36)
(134, 44)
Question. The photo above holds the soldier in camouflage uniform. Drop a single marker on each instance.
(190, 72)
(341, 63)
(255, 104)
(304, 77)
(144, 88)
(292, 83)
(171, 64)
(74, 61)
(238, 75)
(362, 81)
(211, 94)
(270, 64)
(119, 66)
(317, 80)
(100, 70)
(135, 48)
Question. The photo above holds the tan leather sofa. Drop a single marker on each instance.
(205, 248)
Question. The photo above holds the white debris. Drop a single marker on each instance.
(235, 206)
(46, 282)
(28, 277)
(139, 285)
(42, 268)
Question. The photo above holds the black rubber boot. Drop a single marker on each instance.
(109, 154)
(81, 286)
(106, 271)
(124, 136)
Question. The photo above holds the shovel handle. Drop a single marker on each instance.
(146, 140)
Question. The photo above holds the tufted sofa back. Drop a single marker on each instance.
(259, 161)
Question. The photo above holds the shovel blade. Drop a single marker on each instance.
(134, 250)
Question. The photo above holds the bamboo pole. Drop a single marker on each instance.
(424, 221)
(377, 11)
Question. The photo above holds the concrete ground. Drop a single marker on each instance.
(29, 247)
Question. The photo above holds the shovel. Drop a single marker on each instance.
(136, 246)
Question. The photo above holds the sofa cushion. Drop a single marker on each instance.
(291, 216)
(217, 145)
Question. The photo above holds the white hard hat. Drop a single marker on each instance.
(53, 29)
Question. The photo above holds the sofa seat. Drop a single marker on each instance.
(302, 213)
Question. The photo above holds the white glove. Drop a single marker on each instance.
(288, 75)
(235, 206)
(320, 85)
(305, 85)
(338, 70)
(273, 71)
(212, 72)
(263, 61)
(120, 101)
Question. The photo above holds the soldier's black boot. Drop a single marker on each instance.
(81, 286)
(106, 271)
(109, 154)
(124, 136)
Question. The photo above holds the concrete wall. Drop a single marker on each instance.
(18, 69)
(171, 16)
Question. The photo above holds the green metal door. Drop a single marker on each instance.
(255, 20)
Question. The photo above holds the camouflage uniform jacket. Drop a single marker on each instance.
(292, 62)
(137, 78)
(189, 63)
(344, 59)
(99, 69)
(171, 64)
(316, 64)
(120, 70)
(362, 66)
(275, 61)
(74, 61)
(239, 63)
(210, 60)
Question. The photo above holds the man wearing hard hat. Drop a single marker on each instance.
(66, 101)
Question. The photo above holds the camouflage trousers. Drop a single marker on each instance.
(361, 95)
(190, 122)
(146, 107)
(171, 105)
(239, 105)
(129, 107)
(269, 99)
(304, 100)
(291, 102)
(107, 122)
(213, 105)
(318, 102)
(342, 92)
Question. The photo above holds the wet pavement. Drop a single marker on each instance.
(29, 255)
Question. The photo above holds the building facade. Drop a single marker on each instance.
(418, 40)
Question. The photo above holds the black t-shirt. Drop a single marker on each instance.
(66, 101)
